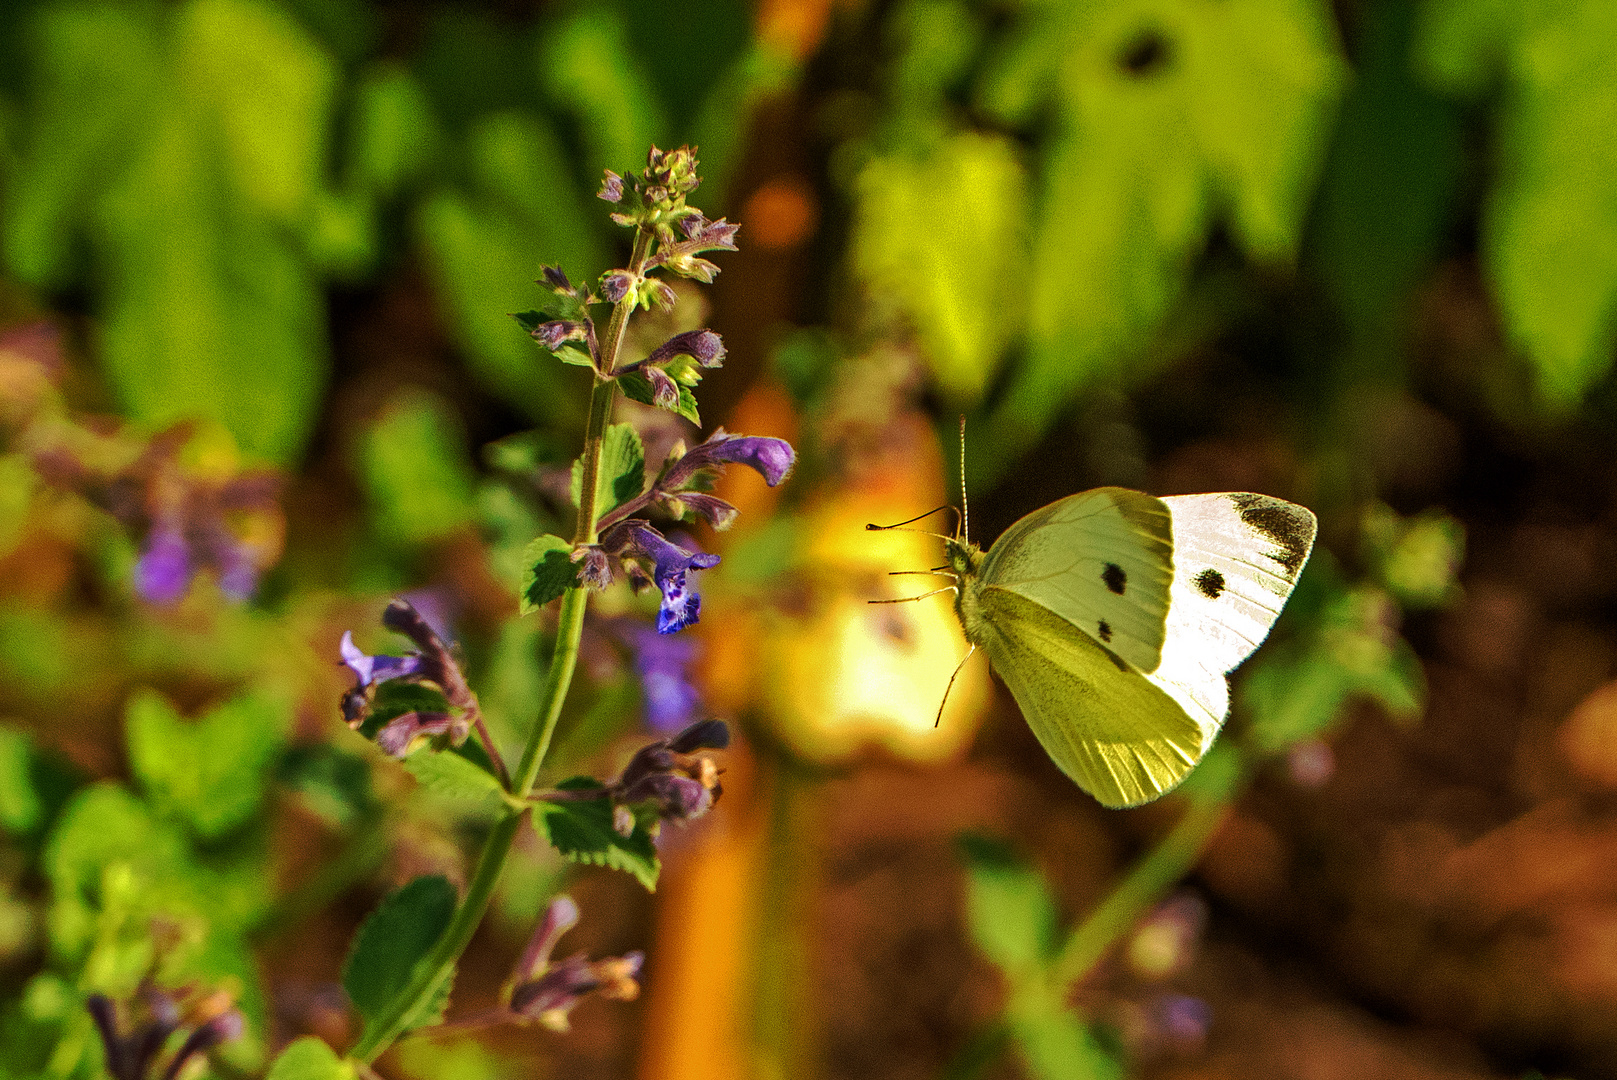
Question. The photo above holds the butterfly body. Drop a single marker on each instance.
(1114, 616)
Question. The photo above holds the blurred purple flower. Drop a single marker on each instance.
(547, 992)
(164, 569)
(132, 1056)
(611, 187)
(662, 663)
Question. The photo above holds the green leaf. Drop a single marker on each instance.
(310, 1058)
(1056, 1045)
(336, 784)
(636, 387)
(550, 571)
(393, 131)
(1167, 115)
(1009, 908)
(417, 469)
(452, 776)
(211, 772)
(623, 469)
(1549, 227)
(392, 941)
(21, 809)
(960, 280)
(270, 86)
(589, 72)
(582, 832)
(482, 253)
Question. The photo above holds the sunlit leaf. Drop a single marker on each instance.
(310, 1058)
(960, 280)
(623, 469)
(1165, 116)
(1549, 231)
(212, 772)
(548, 571)
(453, 777)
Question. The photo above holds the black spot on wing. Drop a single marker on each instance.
(1114, 577)
(1210, 583)
(1105, 629)
(1291, 531)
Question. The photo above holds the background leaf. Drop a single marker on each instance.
(310, 1058)
(1010, 911)
(1549, 238)
(211, 772)
(392, 940)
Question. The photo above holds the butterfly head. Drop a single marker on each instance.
(965, 558)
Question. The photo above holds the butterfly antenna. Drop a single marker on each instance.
(923, 596)
(950, 687)
(911, 521)
(965, 507)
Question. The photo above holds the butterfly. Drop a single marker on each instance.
(1114, 618)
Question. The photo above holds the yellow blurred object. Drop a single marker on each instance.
(847, 673)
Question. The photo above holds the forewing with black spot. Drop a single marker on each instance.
(1236, 558)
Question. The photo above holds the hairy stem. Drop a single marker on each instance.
(439, 964)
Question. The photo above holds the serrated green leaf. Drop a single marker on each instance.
(1549, 227)
(310, 1058)
(452, 776)
(417, 469)
(636, 387)
(582, 832)
(549, 571)
(623, 469)
(396, 937)
(1167, 115)
(1010, 910)
(211, 772)
(575, 357)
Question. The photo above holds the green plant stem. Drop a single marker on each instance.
(439, 965)
(1152, 876)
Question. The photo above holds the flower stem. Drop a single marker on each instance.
(439, 964)
(1152, 876)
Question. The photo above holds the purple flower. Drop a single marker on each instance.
(611, 187)
(772, 458)
(615, 285)
(671, 773)
(664, 390)
(555, 279)
(547, 992)
(706, 347)
(164, 570)
(636, 540)
(719, 234)
(375, 669)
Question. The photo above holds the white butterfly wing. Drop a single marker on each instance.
(1236, 558)
(1101, 560)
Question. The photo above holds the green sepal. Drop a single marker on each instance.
(582, 832)
(550, 571)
